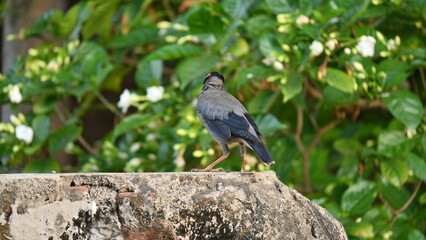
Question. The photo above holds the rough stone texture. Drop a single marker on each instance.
(229, 205)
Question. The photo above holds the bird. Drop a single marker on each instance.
(228, 121)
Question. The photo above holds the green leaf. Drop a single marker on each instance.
(358, 197)
(415, 234)
(268, 124)
(67, 23)
(293, 86)
(44, 166)
(393, 143)
(404, 106)
(268, 45)
(194, 68)
(95, 63)
(48, 22)
(100, 19)
(396, 197)
(262, 102)
(339, 80)
(132, 122)
(311, 30)
(279, 6)
(34, 88)
(396, 72)
(416, 164)
(240, 48)
(347, 146)
(395, 171)
(364, 230)
(336, 97)
(354, 9)
(259, 24)
(45, 104)
(61, 137)
(113, 82)
(253, 73)
(174, 51)
(422, 199)
(149, 73)
(134, 38)
(41, 126)
(198, 21)
(236, 8)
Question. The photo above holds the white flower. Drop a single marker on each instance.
(302, 19)
(250, 75)
(24, 133)
(126, 99)
(391, 45)
(284, 18)
(316, 48)
(347, 51)
(365, 46)
(15, 95)
(268, 61)
(164, 25)
(358, 66)
(14, 119)
(331, 44)
(334, 20)
(154, 94)
(54, 66)
(278, 66)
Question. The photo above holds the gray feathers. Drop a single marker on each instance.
(227, 120)
(217, 104)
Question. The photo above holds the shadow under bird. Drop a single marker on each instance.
(228, 121)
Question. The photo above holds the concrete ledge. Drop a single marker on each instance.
(228, 205)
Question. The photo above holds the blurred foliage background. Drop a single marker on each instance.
(337, 88)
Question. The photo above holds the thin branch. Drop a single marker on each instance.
(406, 204)
(169, 10)
(306, 152)
(86, 145)
(301, 147)
(60, 114)
(320, 133)
(312, 90)
(299, 129)
(108, 104)
(80, 139)
(397, 212)
(423, 77)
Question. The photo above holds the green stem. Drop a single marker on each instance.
(80, 138)
(84, 106)
(108, 104)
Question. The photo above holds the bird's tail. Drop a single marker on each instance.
(261, 151)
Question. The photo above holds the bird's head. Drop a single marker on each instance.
(214, 80)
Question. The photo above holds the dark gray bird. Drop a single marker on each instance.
(228, 121)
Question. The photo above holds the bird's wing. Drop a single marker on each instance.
(219, 128)
(226, 116)
(240, 127)
(251, 121)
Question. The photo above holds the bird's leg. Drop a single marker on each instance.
(243, 156)
(210, 167)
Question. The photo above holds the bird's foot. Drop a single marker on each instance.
(208, 170)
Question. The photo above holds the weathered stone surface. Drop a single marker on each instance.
(229, 205)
